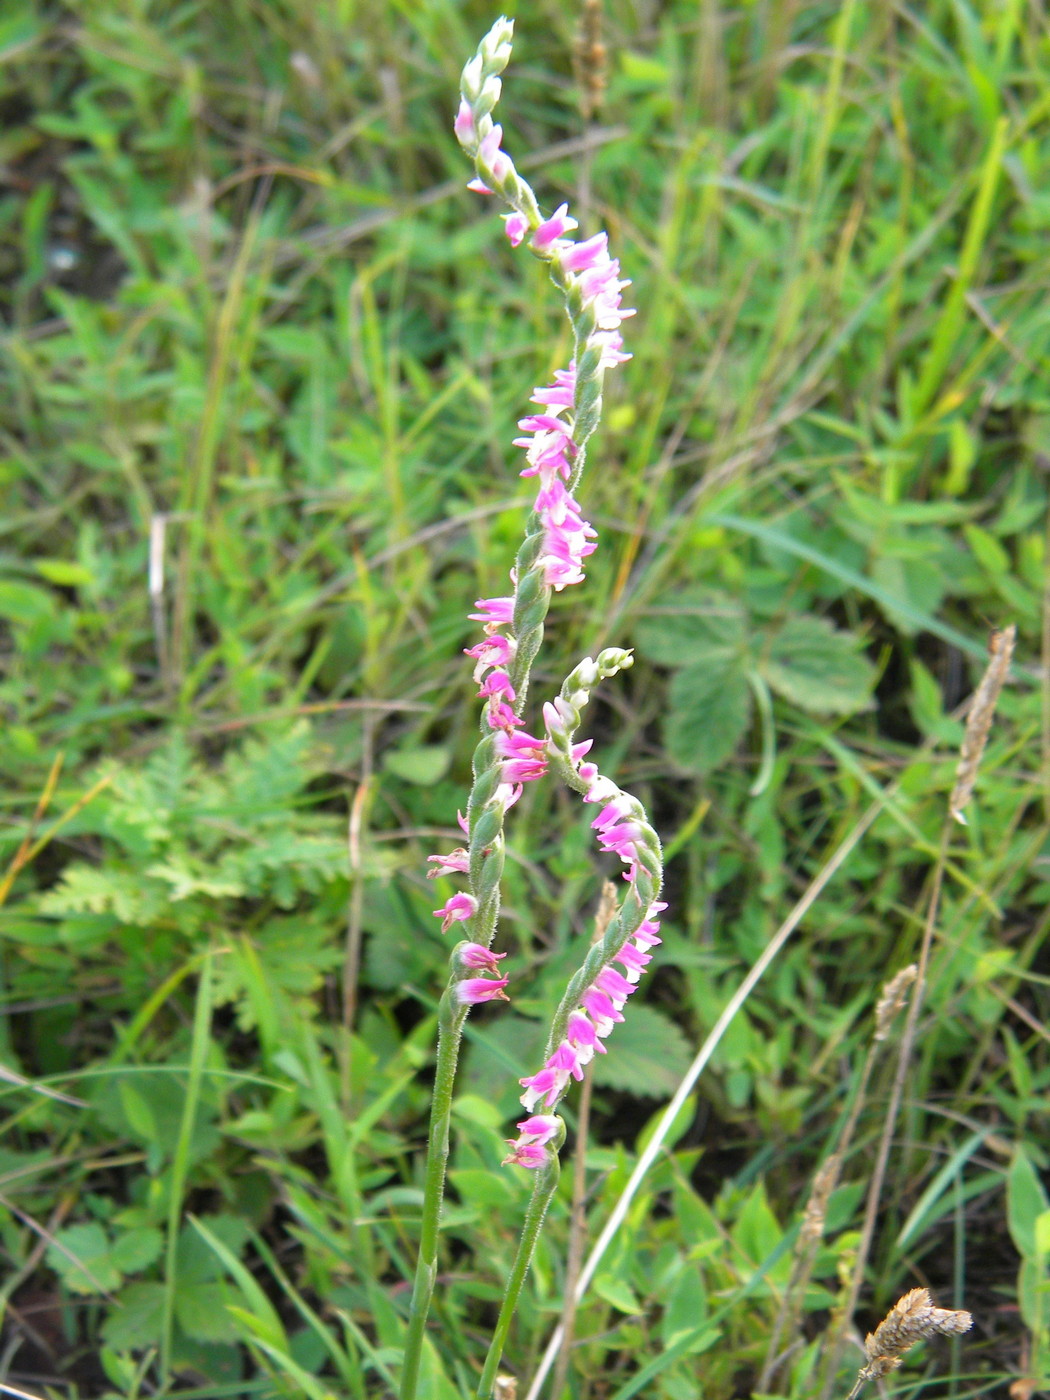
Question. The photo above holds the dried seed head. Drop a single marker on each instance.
(824, 1183)
(910, 1320)
(608, 903)
(979, 718)
(590, 59)
(892, 999)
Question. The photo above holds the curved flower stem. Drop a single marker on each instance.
(450, 1033)
(542, 1191)
(591, 291)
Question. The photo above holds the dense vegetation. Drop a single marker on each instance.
(262, 356)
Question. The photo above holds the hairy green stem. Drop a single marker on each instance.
(450, 1033)
(542, 1191)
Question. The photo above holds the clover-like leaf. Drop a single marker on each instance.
(709, 711)
(818, 668)
(691, 625)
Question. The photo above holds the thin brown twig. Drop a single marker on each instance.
(837, 1333)
(826, 1180)
(981, 711)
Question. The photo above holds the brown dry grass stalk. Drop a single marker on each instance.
(980, 713)
(590, 60)
(979, 718)
(824, 1183)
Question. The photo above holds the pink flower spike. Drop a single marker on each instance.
(561, 393)
(542, 1127)
(566, 1057)
(462, 822)
(633, 960)
(476, 989)
(478, 186)
(557, 226)
(612, 813)
(645, 935)
(516, 227)
(578, 750)
(457, 861)
(552, 720)
(600, 1009)
(507, 794)
(579, 1029)
(545, 1084)
(543, 423)
(495, 650)
(615, 986)
(498, 683)
(497, 610)
(455, 910)
(610, 345)
(464, 126)
(500, 715)
(579, 256)
(490, 155)
(582, 1033)
(476, 955)
(525, 1154)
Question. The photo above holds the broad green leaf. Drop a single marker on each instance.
(201, 1311)
(423, 765)
(24, 602)
(817, 668)
(484, 1188)
(63, 572)
(1033, 1294)
(685, 1306)
(690, 625)
(137, 1249)
(617, 1292)
(756, 1230)
(136, 1322)
(709, 710)
(1025, 1202)
(649, 1057)
(80, 1255)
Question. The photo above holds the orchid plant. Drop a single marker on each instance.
(557, 542)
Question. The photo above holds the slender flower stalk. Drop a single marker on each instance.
(595, 996)
(557, 542)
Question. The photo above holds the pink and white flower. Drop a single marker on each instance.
(477, 957)
(456, 909)
(472, 990)
(524, 757)
(516, 226)
(535, 1133)
(495, 650)
(495, 612)
(456, 862)
(599, 1011)
(556, 227)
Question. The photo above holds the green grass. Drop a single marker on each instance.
(244, 290)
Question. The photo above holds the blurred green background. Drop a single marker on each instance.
(262, 359)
